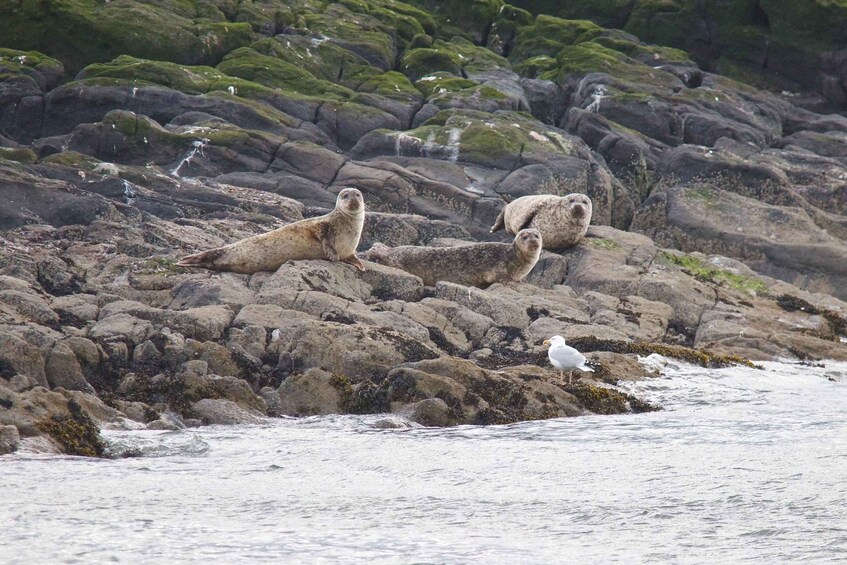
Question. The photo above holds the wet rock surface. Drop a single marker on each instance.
(718, 232)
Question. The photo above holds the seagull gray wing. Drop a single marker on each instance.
(567, 356)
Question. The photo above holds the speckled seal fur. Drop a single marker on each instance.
(562, 220)
(333, 236)
(475, 264)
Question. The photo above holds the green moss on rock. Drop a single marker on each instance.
(655, 54)
(498, 140)
(537, 66)
(391, 84)
(607, 13)
(323, 59)
(471, 19)
(602, 243)
(46, 71)
(18, 154)
(702, 272)
(473, 57)
(361, 33)
(362, 398)
(422, 62)
(250, 65)
(188, 79)
(439, 83)
(591, 57)
(548, 34)
(72, 159)
(78, 32)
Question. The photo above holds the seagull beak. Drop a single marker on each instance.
(546, 342)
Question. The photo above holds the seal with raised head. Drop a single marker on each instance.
(562, 220)
(474, 264)
(333, 236)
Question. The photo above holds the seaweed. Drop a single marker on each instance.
(76, 433)
(695, 356)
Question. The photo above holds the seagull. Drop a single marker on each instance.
(564, 357)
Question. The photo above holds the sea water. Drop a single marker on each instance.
(742, 466)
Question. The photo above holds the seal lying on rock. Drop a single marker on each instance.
(475, 264)
(562, 220)
(333, 236)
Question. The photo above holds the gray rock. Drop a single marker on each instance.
(64, 371)
(56, 277)
(22, 358)
(268, 316)
(121, 326)
(218, 358)
(271, 398)
(76, 309)
(314, 392)
(487, 302)
(224, 412)
(226, 289)
(9, 439)
(252, 340)
(355, 351)
(29, 307)
(432, 412)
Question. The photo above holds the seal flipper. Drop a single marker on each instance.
(353, 260)
(328, 244)
(205, 260)
(528, 220)
(378, 253)
(499, 222)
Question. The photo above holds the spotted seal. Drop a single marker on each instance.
(562, 220)
(333, 236)
(475, 264)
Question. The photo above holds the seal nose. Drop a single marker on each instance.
(578, 211)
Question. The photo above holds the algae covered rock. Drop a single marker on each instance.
(65, 30)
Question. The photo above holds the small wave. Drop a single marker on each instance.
(155, 444)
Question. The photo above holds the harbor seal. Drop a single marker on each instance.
(562, 220)
(475, 264)
(333, 236)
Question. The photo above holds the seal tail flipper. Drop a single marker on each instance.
(499, 222)
(378, 253)
(205, 259)
(353, 260)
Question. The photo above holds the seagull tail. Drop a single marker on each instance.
(586, 369)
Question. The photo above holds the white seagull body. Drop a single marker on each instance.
(564, 357)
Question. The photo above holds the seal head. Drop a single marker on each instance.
(350, 201)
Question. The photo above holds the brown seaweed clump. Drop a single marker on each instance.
(76, 432)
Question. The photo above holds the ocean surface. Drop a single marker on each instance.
(742, 466)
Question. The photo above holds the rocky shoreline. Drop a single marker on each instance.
(719, 229)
